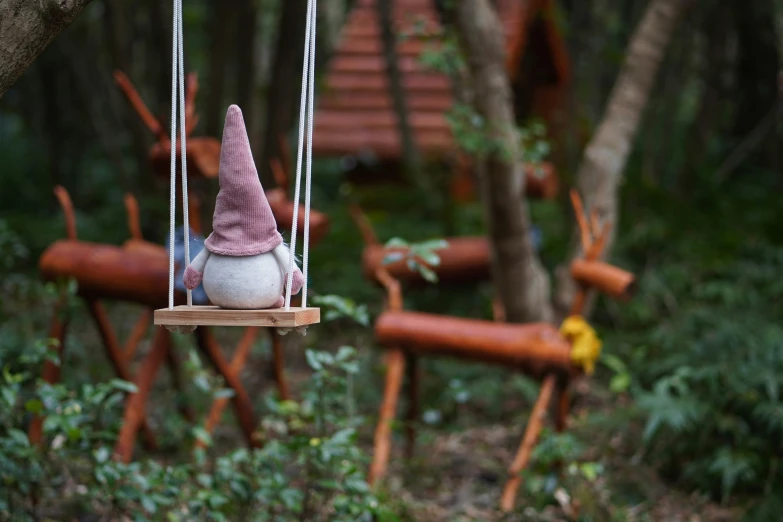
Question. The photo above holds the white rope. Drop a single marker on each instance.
(177, 81)
(311, 90)
(172, 184)
(308, 70)
(183, 142)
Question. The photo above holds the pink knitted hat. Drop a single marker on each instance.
(243, 224)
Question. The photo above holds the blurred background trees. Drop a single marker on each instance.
(691, 378)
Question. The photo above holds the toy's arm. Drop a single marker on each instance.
(282, 255)
(195, 270)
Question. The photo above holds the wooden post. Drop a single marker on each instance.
(51, 371)
(413, 371)
(395, 369)
(241, 401)
(237, 363)
(136, 405)
(534, 426)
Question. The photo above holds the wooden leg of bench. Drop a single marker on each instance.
(237, 363)
(175, 370)
(240, 400)
(395, 369)
(413, 371)
(498, 310)
(534, 426)
(563, 407)
(117, 359)
(136, 405)
(278, 360)
(51, 371)
(137, 334)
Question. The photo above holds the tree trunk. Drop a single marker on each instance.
(410, 153)
(519, 279)
(245, 51)
(605, 156)
(758, 65)
(26, 28)
(215, 113)
(285, 83)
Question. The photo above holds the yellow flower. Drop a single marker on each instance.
(585, 344)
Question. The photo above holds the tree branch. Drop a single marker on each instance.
(26, 29)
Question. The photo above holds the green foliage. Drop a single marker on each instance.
(309, 468)
(419, 257)
(699, 349)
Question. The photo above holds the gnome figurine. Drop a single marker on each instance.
(244, 263)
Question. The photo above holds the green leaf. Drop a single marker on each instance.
(9, 396)
(119, 384)
(19, 437)
(202, 435)
(149, 505)
(396, 242)
(434, 244)
(313, 360)
(620, 383)
(392, 257)
(225, 393)
(428, 274)
(102, 454)
(34, 406)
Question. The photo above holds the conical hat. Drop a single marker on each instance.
(243, 223)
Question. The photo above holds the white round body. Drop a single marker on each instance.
(243, 282)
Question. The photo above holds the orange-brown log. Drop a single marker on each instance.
(417, 82)
(283, 210)
(70, 218)
(278, 363)
(395, 370)
(109, 272)
(385, 145)
(380, 120)
(541, 182)
(466, 259)
(237, 363)
(139, 106)
(534, 426)
(535, 348)
(604, 277)
(146, 247)
(134, 223)
(136, 403)
(203, 158)
(374, 47)
(373, 64)
(381, 101)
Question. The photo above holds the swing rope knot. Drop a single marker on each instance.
(585, 344)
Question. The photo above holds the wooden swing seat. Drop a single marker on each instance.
(216, 316)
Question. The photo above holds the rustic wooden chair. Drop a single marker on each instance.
(539, 350)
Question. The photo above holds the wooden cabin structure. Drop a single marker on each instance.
(355, 114)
